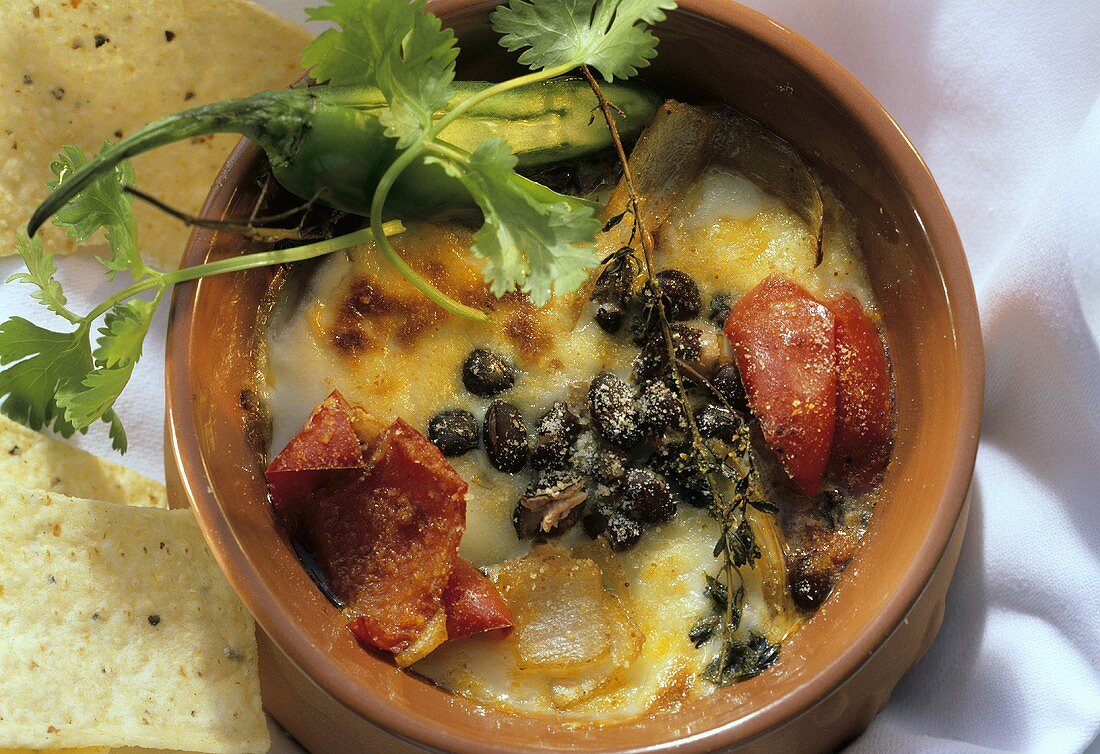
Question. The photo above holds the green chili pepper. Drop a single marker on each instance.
(326, 142)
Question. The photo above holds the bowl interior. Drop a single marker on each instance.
(710, 52)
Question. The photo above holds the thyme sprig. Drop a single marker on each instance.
(736, 660)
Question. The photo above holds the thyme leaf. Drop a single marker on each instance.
(737, 545)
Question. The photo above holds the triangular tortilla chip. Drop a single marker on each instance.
(83, 71)
(37, 461)
(119, 629)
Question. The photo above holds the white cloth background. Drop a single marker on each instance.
(1003, 101)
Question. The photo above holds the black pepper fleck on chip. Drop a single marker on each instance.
(57, 92)
(189, 95)
(118, 134)
(27, 80)
(101, 40)
(154, 620)
(169, 35)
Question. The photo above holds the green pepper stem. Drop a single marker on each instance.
(274, 119)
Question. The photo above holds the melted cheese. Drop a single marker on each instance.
(359, 327)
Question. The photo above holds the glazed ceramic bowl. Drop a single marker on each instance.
(838, 671)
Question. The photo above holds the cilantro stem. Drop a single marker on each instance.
(282, 256)
(157, 281)
(422, 284)
(163, 280)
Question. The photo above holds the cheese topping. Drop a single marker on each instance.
(355, 325)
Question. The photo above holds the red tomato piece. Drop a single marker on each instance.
(473, 603)
(388, 540)
(783, 341)
(864, 405)
(327, 450)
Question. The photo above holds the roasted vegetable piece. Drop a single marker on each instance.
(473, 603)
(864, 401)
(326, 451)
(784, 344)
(388, 540)
(327, 143)
(570, 630)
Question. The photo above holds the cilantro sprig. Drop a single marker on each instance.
(611, 36)
(69, 378)
(531, 238)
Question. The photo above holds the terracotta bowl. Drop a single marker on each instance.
(838, 671)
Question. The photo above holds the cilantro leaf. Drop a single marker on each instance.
(40, 272)
(117, 352)
(103, 204)
(94, 398)
(44, 365)
(54, 381)
(123, 332)
(51, 381)
(395, 45)
(611, 36)
(532, 237)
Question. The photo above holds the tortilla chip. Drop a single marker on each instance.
(120, 631)
(80, 72)
(32, 459)
(86, 750)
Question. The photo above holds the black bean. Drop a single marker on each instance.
(622, 532)
(525, 521)
(718, 422)
(810, 586)
(610, 318)
(695, 490)
(610, 465)
(556, 431)
(677, 462)
(719, 311)
(505, 437)
(559, 419)
(727, 381)
(486, 374)
(652, 362)
(453, 431)
(647, 497)
(661, 408)
(615, 411)
(551, 451)
(680, 293)
(595, 521)
(674, 460)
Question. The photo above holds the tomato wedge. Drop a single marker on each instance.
(389, 539)
(864, 406)
(473, 603)
(326, 451)
(783, 341)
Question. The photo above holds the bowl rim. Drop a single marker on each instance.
(897, 150)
